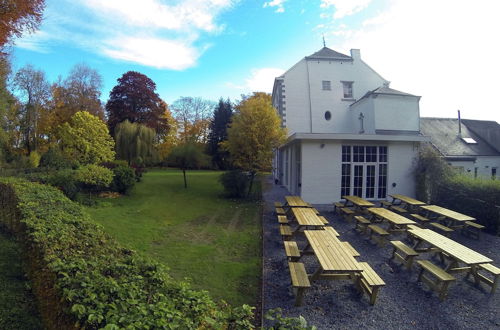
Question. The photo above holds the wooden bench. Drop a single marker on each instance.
(380, 234)
(472, 229)
(361, 223)
(278, 205)
(442, 278)
(282, 220)
(385, 204)
(351, 250)
(332, 230)
(347, 213)
(398, 209)
(323, 219)
(300, 280)
(292, 250)
(420, 218)
(404, 253)
(442, 228)
(369, 281)
(286, 232)
(315, 211)
(337, 206)
(280, 211)
(491, 270)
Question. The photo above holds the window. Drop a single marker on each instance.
(364, 171)
(327, 85)
(475, 172)
(328, 115)
(493, 173)
(347, 89)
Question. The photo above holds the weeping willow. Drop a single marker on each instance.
(135, 143)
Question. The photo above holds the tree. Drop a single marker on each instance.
(18, 16)
(135, 99)
(254, 132)
(134, 142)
(192, 115)
(85, 138)
(218, 133)
(35, 95)
(187, 156)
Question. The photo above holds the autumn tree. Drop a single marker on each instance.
(18, 16)
(218, 133)
(254, 132)
(134, 142)
(80, 91)
(9, 111)
(135, 99)
(85, 138)
(34, 92)
(193, 118)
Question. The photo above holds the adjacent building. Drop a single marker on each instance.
(349, 132)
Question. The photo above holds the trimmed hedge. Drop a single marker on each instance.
(83, 279)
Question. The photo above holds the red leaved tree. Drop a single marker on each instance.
(18, 16)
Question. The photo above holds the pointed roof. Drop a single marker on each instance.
(389, 91)
(326, 53)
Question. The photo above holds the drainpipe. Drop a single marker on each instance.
(459, 124)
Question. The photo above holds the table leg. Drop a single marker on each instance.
(316, 274)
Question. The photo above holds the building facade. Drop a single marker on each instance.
(349, 133)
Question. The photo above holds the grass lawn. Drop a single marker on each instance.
(17, 304)
(198, 234)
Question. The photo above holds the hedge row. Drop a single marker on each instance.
(479, 198)
(83, 279)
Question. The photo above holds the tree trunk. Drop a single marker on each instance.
(185, 182)
(252, 176)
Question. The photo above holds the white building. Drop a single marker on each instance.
(470, 146)
(349, 133)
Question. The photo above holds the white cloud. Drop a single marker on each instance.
(260, 80)
(445, 51)
(158, 53)
(276, 3)
(345, 7)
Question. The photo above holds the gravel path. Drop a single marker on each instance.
(402, 303)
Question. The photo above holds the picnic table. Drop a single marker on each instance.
(455, 219)
(458, 253)
(295, 201)
(396, 222)
(306, 217)
(335, 259)
(358, 202)
(406, 201)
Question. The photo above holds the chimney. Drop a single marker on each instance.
(459, 124)
(356, 54)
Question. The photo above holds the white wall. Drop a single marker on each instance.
(401, 160)
(393, 112)
(483, 164)
(313, 72)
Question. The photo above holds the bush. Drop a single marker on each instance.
(235, 183)
(83, 279)
(94, 177)
(34, 159)
(62, 179)
(54, 159)
(288, 323)
(123, 179)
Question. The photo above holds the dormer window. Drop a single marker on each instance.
(347, 89)
(327, 85)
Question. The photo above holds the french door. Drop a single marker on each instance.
(363, 180)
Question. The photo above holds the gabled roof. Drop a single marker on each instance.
(487, 130)
(444, 136)
(326, 53)
(383, 90)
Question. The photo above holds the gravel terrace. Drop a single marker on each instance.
(403, 303)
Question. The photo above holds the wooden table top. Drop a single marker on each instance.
(448, 213)
(391, 216)
(358, 201)
(332, 255)
(295, 201)
(450, 247)
(306, 217)
(407, 200)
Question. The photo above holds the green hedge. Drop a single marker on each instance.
(83, 279)
(478, 198)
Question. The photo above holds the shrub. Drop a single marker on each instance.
(54, 159)
(288, 323)
(34, 159)
(123, 179)
(83, 279)
(94, 177)
(235, 183)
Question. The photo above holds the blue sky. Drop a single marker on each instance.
(446, 51)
